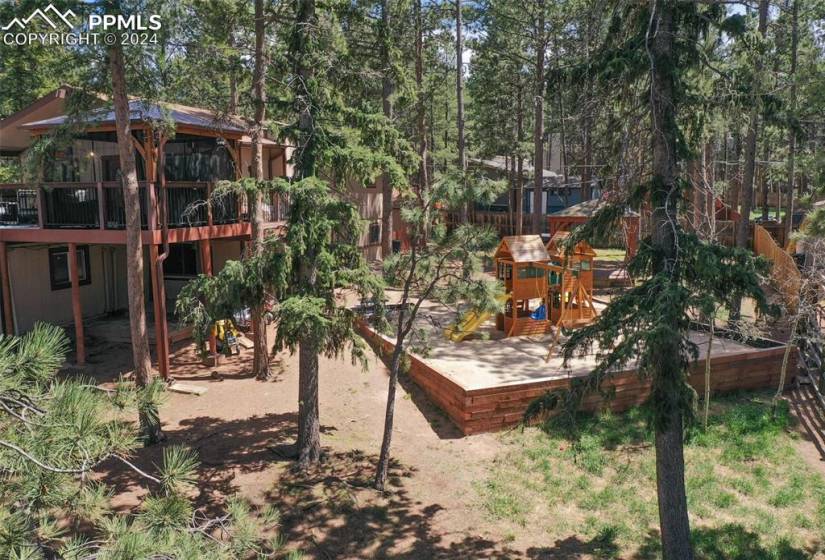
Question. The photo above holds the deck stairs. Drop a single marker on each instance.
(812, 356)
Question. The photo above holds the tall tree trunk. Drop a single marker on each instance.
(791, 170)
(389, 416)
(134, 246)
(260, 361)
(587, 120)
(538, 125)
(309, 427)
(746, 196)
(709, 180)
(670, 484)
(562, 126)
(735, 171)
(387, 90)
(520, 160)
(459, 96)
(743, 228)
(587, 170)
(234, 94)
(421, 110)
(670, 467)
(402, 328)
(763, 178)
(395, 369)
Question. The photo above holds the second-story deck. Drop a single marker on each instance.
(95, 212)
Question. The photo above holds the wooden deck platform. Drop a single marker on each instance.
(486, 384)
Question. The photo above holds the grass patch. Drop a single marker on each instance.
(749, 494)
(610, 254)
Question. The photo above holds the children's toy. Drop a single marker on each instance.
(227, 336)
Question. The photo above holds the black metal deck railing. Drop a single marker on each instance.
(18, 207)
(86, 205)
(74, 206)
(115, 208)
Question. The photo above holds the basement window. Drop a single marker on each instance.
(375, 234)
(182, 260)
(59, 267)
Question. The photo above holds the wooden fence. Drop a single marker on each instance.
(784, 272)
(501, 222)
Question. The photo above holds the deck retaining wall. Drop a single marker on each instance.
(485, 410)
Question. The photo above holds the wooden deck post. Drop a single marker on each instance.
(151, 206)
(8, 309)
(41, 207)
(159, 309)
(77, 309)
(101, 206)
(210, 220)
(206, 262)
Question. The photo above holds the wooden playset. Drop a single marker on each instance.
(532, 272)
(571, 289)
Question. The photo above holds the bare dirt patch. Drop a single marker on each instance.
(437, 505)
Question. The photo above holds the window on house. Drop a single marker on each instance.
(182, 260)
(59, 267)
(110, 167)
(374, 234)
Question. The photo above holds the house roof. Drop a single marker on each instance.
(246, 140)
(499, 163)
(48, 112)
(15, 139)
(142, 111)
(523, 248)
(586, 209)
(554, 245)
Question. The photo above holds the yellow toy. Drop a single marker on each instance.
(227, 336)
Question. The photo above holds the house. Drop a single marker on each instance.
(62, 238)
(557, 194)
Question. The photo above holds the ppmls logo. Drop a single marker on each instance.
(133, 29)
(56, 14)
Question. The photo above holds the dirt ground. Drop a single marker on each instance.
(242, 429)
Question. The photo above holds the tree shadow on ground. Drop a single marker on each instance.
(731, 541)
(807, 410)
(332, 512)
(224, 449)
(602, 545)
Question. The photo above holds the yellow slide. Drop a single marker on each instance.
(470, 322)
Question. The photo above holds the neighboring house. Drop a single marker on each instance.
(556, 194)
(76, 211)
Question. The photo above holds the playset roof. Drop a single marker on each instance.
(522, 249)
(554, 245)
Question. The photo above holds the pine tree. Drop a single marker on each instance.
(56, 434)
(440, 265)
(260, 361)
(318, 256)
(681, 276)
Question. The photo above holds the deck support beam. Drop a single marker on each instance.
(77, 308)
(159, 307)
(5, 286)
(206, 265)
